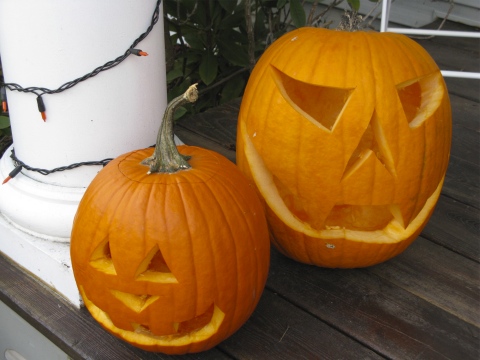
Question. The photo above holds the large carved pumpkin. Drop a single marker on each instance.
(172, 261)
(347, 137)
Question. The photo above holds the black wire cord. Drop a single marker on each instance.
(39, 91)
(19, 163)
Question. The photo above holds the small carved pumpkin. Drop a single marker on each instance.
(347, 137)
(172, 261)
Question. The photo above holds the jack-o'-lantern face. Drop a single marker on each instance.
(150, 290)
(170, 262)
(347, 137)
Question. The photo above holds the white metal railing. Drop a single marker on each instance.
(446, 73)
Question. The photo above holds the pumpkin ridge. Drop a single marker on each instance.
(185, 213)
(121, 215)
(243, 223)
(228, 186)
(232, 238)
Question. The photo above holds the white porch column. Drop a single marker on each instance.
(46, 43)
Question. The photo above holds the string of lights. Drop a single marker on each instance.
(19, 165)
(39, 91)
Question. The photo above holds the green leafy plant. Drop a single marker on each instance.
(5, 125)
(216, 42)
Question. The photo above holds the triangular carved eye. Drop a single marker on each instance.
(101, 258)
(420, 98)
(321, 105)
(137, 303)
(154, 268)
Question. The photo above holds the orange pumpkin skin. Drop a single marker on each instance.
(173, 263)
(347, 138)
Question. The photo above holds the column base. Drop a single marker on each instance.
(35, 224)
(48, 260)
(38, 208)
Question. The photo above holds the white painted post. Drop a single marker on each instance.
(46, 44)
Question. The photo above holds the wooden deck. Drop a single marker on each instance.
(423, 304)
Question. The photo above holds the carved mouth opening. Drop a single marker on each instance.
(139, 303)
(342, 216)
(181, 328)
(197, 329)
(359, 217)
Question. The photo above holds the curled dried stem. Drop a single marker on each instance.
(166, 158)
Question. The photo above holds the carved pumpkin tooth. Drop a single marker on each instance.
(137, 303)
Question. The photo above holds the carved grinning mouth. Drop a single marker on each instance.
(153, 269)
(139, 303)
(267, 186)
(185, 327)
(197, 329)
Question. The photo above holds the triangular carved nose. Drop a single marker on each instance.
(373, 141)
(154, 268)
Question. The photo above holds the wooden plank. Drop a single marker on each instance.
(466, 144)
(451, 57)
(440, 277)
(462, 182)
(370, 307)
(466, 88)
(466, 112)
(466, 128)
(72, 330)
(193, 139)
(214, 130)
(218, 125)
(280, 330)
(455, 226)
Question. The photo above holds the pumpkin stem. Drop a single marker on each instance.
(350, 21)
(166, 158)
